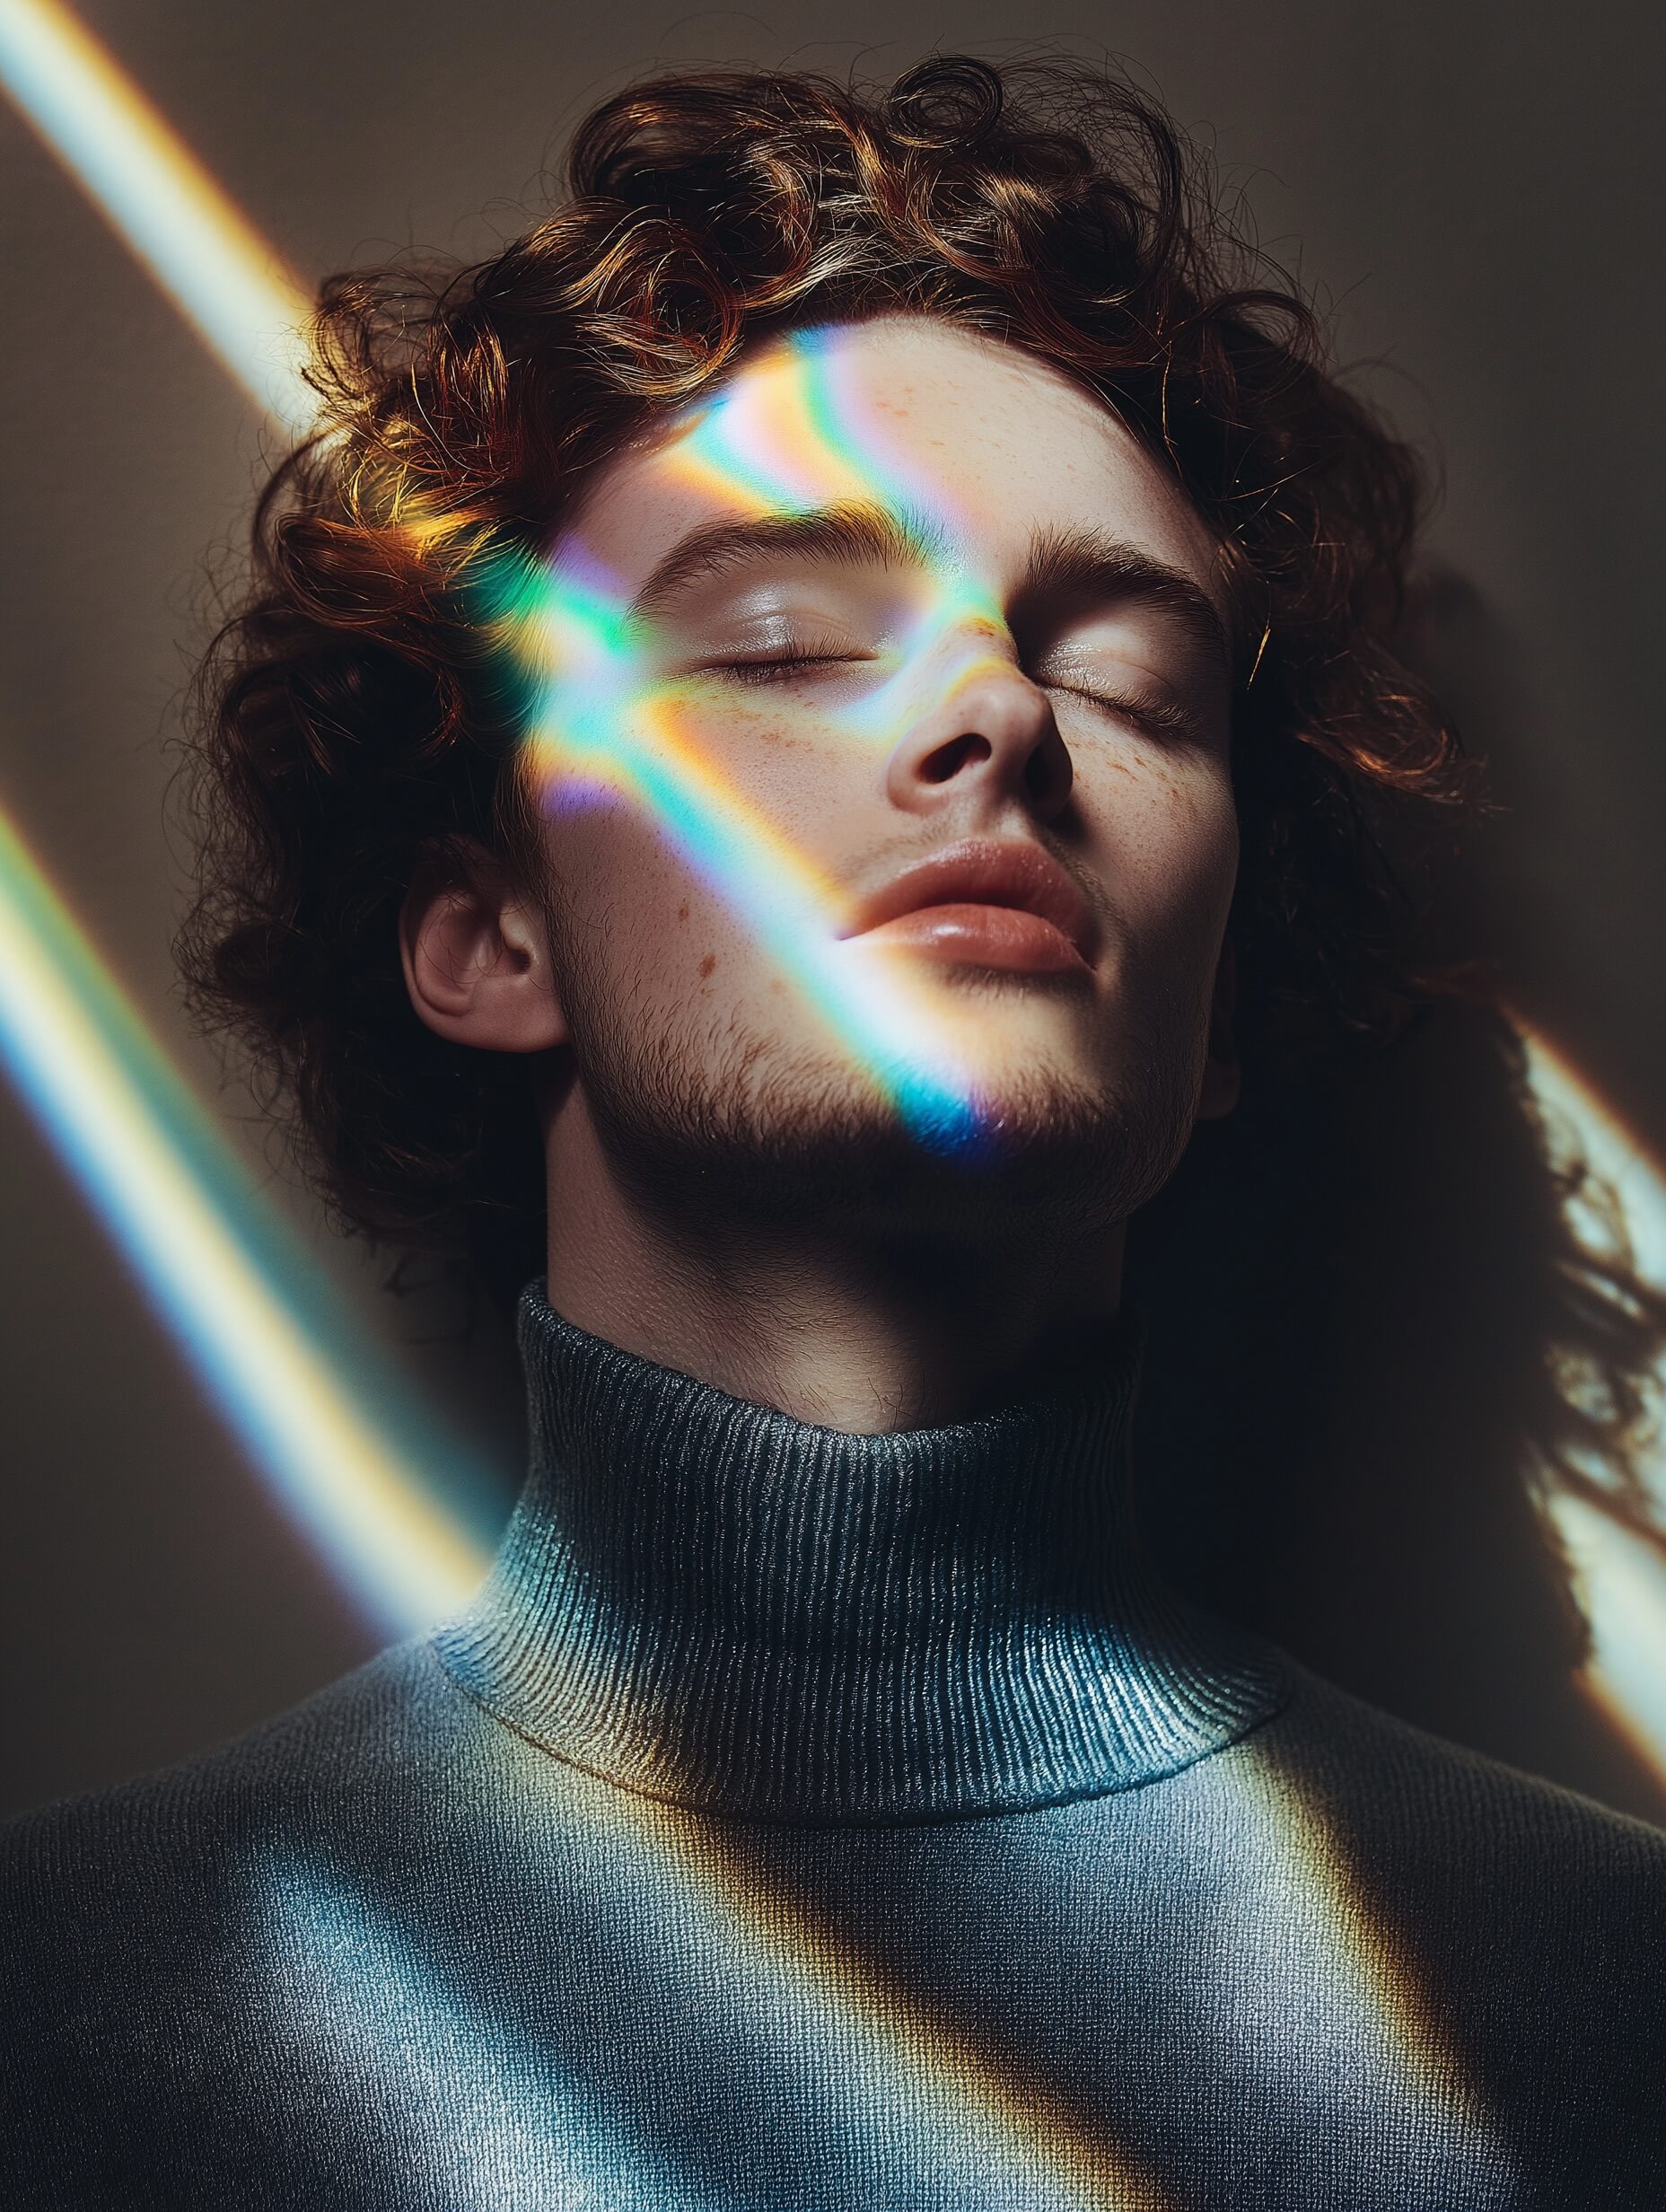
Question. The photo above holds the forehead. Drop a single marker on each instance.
(990, 446)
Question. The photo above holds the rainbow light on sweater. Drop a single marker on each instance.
(115, 1108)
(245, 1310)
(421, 2061)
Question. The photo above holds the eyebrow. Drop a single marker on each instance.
(1090, 565)
(1080, 564)
(856, 534)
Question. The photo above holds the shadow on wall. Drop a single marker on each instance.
(1410, 1351)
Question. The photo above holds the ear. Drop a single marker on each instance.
(1223, 1074)
(476, 955)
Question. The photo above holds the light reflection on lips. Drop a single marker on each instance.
(982, 936)
(987, 902)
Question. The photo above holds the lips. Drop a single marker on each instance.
(988, 903)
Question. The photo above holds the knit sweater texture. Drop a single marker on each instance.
(802, 1822)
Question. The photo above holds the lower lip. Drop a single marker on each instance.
(983, 937)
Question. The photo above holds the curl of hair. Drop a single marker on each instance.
(351, 721)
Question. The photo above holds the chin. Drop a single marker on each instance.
(771, 1134)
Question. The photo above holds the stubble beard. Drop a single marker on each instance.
(738, 1131)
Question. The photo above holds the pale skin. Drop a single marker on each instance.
(1077, 709)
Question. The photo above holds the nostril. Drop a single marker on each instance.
(951, 759)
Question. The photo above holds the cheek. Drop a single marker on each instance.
(751, 789)
(1171, 843)
(788, 769)
(636, 912)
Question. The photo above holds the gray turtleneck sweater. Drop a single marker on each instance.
(806, 1822)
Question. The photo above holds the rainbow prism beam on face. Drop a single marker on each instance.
(233, 290)
(781, 439)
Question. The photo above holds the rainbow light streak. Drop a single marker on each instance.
(429, 2073)
(597, 725)
(785, 439)
(496, 2111)
(1365, 1981)
(791, 437)
(770, 444)
(1365, 2058)
(1024, 2137)
(243, 1306)
(160, 202)
(778, 441)
(374, 1487)
(1624, 1581)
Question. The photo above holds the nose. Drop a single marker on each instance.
(991, 736)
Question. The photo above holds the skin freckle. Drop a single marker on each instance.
(708, 963)
(682, 911)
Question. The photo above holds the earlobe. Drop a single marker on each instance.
(476, 958)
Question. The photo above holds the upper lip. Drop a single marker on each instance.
(992, 872)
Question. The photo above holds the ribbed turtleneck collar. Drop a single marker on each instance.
(712, 1602)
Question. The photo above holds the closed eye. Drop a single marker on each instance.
(1156, 717)
(782, 667)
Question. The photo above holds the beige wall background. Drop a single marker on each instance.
(1474, 189)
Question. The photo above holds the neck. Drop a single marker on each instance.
(864, 1327)
(708, 1602)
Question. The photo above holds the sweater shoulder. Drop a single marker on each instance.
(1397, 1780)
(1470, 1849)
(1507, 1920)
(301, 1768)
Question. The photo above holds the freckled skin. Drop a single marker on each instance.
(1009, 449)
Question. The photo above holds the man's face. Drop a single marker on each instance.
(884, 774)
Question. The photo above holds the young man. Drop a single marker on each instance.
(800, 713)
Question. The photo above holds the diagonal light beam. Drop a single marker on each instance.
(250, 1310)
(1624, 1578)
(380, 1491)
(246, 304)
(161, 203)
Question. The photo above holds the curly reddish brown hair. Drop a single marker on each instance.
(353, 720)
